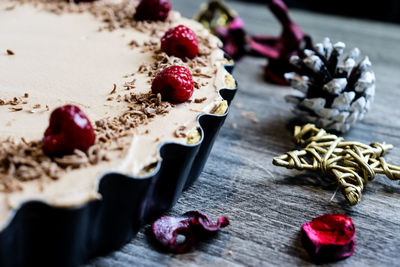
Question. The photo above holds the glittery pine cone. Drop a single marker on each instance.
(336, 92)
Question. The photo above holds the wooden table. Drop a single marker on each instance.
(267, 205)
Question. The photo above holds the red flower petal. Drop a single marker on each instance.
(167, 229)
(200, 219)
(192, 225)
(330, 237)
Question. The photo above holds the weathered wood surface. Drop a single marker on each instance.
(267, 205)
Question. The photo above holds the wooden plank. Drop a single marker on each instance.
(267, 205)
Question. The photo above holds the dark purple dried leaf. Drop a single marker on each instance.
(192, 225)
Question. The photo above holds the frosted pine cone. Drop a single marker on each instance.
(337, 93)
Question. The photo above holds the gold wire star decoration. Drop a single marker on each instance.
(350, 164)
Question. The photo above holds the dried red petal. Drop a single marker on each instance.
(200, 219)
(279, 49)
(192, 225)
(329, 237)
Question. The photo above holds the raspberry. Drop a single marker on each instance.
(181, 42)
(69, 129)
(153, 10)
(174, 83)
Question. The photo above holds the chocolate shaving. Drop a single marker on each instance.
(16, 108)
(200, 100)
(133, 44)
(180, 132)
(114, 89)
(10, 52)
(14, 101)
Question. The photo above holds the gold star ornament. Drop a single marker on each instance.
(350, 164)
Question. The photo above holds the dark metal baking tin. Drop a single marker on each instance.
(39, 234)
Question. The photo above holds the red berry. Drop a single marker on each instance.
(181, 42)
(69, 129)
(174, 83)
(153, 10)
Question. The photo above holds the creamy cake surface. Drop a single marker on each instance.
(94, 56)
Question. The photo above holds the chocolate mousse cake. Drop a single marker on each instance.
(93, 87)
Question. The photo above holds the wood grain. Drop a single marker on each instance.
(266, 204)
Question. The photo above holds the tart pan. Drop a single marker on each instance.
(38, 234)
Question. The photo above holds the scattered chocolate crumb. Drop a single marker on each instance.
(180, 132)
(202, 75)
(147, 131)
(157, 139)
(15, 101)
(130, 85)
(128, 75)
(114, 89)
(16, 108)
(133, 44)
(10, 52)
(24, 140)
(142, 68)
(47, 107)
(26, 95)
(200, 100)
(196, 85)
(143, 108)
(36, 106)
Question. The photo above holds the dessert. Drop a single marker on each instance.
(96, 60)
